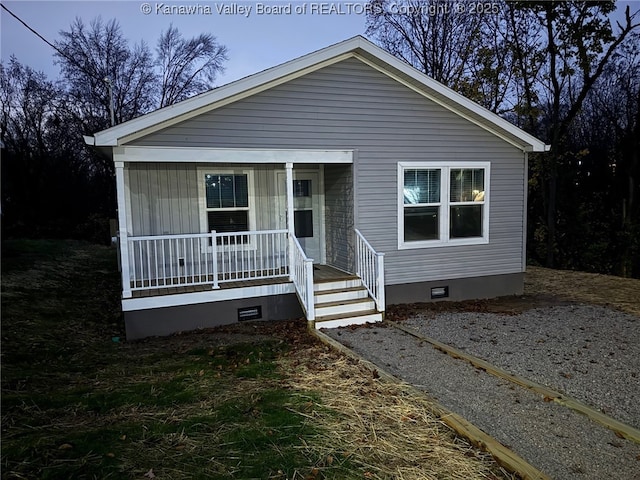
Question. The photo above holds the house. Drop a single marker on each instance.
(326, 187)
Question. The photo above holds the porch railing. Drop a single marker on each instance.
(370, 268)
(163, 261)
(302, 276)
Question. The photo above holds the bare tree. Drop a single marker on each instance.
(580, 43)
(467, 52)
(611, 116)
(44, 172)
(90, 57)
(187, 67)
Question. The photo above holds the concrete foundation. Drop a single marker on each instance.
(168, 320)
(457, 289)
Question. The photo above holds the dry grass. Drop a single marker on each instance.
(385, 428)
(107, 400)
(264, 400)
(607, 290)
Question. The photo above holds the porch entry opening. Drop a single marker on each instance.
(307, 214)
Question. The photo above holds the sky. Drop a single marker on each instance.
(258, 35)
(255, 40)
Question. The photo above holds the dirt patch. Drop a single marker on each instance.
(544, 287)
(568, 286)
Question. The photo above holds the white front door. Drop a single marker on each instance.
(307, 211)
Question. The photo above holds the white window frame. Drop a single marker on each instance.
(202, 199)
(445, 204)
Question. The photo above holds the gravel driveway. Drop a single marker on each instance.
(590, 353)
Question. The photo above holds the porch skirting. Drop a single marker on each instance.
(168, 320)
(457, 289)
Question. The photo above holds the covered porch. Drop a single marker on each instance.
(250, 263)
(265, 227)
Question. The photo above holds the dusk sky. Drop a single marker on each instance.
(256, 39)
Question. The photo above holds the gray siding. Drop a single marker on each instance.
(338, 184)
(164, 197)
(352, 106)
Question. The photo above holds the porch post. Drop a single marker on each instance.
(380, 281)
(122, 230)
(290, 225)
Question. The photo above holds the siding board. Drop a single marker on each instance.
(349, 105)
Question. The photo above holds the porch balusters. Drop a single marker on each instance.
(302, 276)
(370, 268)
(165, 261)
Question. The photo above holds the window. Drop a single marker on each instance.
(227, 202)
(466, 188)
(303, 209)
(422, 204)
(442, 204)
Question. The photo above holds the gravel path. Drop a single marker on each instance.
(555, 439)
(590, 353)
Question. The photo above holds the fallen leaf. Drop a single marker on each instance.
(65, 446)
(123, 437)
(111, 455)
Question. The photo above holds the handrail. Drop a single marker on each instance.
(370, 268)
(301, 274)
(162, 261)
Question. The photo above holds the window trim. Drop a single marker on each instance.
(202, 198)
(445, 204)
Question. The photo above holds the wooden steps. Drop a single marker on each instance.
(343, 302)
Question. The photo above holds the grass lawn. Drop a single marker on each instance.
(262, 400)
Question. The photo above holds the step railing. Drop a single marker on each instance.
(301, 274)
(370, 268)
(164, 261)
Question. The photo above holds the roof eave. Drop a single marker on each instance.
(113, 135)
(358, 46)
(525, 141)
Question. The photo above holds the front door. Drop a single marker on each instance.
(307, 211)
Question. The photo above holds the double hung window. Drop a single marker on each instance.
(226, 202)
(442, 204)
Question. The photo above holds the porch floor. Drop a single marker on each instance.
(327, 273)
(321, 273)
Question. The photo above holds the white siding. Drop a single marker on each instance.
(349, 105)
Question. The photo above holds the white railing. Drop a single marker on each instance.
(302, 276)
(370, 268)
(163, 261)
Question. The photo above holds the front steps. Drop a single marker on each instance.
(343, 302)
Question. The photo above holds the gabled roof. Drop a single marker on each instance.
(358, 47)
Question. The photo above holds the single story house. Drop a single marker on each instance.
(326, 187)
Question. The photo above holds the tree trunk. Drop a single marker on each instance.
(552, 195)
